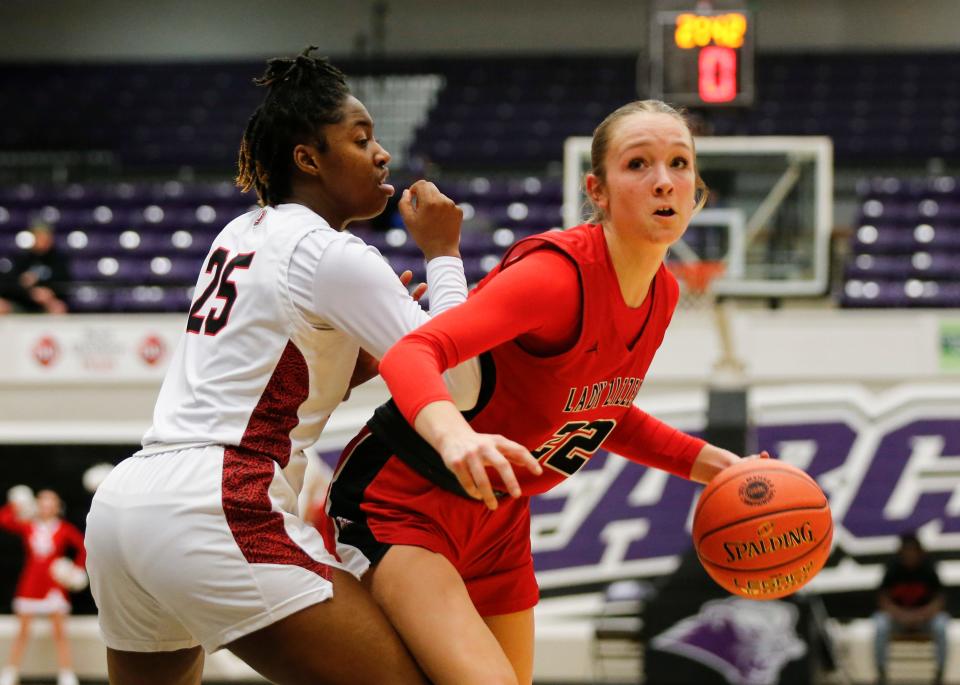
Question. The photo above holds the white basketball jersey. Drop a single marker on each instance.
(251, 370)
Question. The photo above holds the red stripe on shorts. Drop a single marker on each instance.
(248, 470)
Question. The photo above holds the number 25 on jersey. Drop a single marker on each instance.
(215, 319)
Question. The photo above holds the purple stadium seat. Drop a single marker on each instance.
(13, 218)
(89, 298)
(400, 263)
(377, 239)
(879, 267)
(907, 251)
(888, 238)
(78, 242)
(139, 299)
(155, 118)
(184, 269)
(476, 243)
(475, 268)
(85, 270)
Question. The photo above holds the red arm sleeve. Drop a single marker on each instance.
(537, 298)
(9, 521)
(644, 439)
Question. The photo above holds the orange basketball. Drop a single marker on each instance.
(762, 529)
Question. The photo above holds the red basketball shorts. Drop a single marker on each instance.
(376, 501)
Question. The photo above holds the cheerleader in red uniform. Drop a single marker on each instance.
(47, 576)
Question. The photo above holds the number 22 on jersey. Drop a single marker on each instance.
(215, 319)
(573, 445)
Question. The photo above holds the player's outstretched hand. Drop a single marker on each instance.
(470, 454)
(432, 219)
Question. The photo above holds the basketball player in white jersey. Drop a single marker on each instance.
(193, 541)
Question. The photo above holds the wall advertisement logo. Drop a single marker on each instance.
(46, 351)
(152, 350)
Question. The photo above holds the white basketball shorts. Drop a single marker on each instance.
(199, 546)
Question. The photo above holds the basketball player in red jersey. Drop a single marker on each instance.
(194, 542)
(566, 327)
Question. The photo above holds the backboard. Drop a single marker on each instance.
(769, 215)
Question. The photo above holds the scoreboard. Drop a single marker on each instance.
(702, 57)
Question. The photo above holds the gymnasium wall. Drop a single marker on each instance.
(134, 29)
(51, 367)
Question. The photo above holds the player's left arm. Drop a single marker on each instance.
(646, 439)
(643, 438)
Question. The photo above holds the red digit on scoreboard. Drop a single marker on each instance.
(717, 74)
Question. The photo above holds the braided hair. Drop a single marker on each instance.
(303, 94)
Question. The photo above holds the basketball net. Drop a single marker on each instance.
(697, 278)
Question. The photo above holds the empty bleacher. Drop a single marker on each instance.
(492, 139)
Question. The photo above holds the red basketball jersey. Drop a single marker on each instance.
(561, 407)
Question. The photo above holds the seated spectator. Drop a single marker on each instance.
(37, 281)
(910, 601)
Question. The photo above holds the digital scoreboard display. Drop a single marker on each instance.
(702, 58)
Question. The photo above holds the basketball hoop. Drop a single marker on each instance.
(696, 277)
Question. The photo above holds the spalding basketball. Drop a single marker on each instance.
(762, 529)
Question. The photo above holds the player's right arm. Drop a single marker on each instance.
(647, 440)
